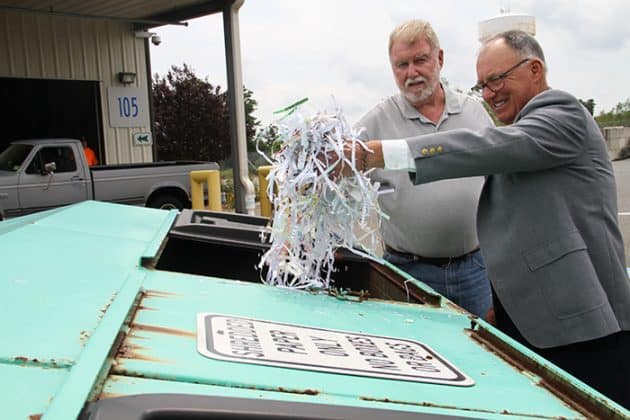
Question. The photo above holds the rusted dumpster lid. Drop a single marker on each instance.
(86, 319)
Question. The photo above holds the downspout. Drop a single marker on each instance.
(244, 193)
(147, 58)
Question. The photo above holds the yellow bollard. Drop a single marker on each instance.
(265, 204)
(210, 178)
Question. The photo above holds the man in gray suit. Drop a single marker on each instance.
(547, 216)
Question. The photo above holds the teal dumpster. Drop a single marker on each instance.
(112, 311)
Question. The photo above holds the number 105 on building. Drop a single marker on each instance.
(128, 107)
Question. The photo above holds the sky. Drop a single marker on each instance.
(335, 51)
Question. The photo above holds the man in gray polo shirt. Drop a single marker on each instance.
(431, 233)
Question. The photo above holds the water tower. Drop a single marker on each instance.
(506, 21)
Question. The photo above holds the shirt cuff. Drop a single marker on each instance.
(397, 156)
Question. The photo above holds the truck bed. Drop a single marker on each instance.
(134, 183)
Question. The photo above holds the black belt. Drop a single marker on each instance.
(439, 261)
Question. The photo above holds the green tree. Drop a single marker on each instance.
(619, 115)
(251, 123)
(192, 117)
(589, 104)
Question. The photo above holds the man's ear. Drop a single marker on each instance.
(538, 69)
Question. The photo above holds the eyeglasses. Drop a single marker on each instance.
(496, 83)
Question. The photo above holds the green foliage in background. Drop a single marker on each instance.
(192, 117)
(617, 116)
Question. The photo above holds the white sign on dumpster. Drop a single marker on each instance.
(246, 340)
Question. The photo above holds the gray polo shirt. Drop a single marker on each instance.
(437, 219)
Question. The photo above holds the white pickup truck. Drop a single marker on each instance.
(44, 173)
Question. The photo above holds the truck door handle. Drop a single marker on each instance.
(76, 178)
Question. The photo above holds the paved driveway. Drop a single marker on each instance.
(622, 173)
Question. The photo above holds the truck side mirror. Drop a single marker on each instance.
(49, 168)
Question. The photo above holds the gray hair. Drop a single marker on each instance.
(523, 44)
(410, 31)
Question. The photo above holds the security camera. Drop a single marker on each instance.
(144, 34)
(156, 40)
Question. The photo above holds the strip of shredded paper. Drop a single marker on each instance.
(314, 213)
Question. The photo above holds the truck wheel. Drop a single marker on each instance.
(166, 201)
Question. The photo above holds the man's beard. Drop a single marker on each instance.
(424, 94)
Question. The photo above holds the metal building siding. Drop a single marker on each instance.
(43, 46)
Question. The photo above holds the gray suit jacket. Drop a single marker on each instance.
(547, 217)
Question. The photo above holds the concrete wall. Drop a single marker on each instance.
(618, 141)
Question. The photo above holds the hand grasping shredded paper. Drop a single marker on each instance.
(321, 200)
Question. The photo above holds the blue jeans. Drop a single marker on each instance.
(464, 282)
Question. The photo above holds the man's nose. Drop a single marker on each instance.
(487, 94)
(412, 71)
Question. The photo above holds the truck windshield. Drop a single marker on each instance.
(13, 157)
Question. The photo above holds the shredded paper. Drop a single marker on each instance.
(316, 212)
